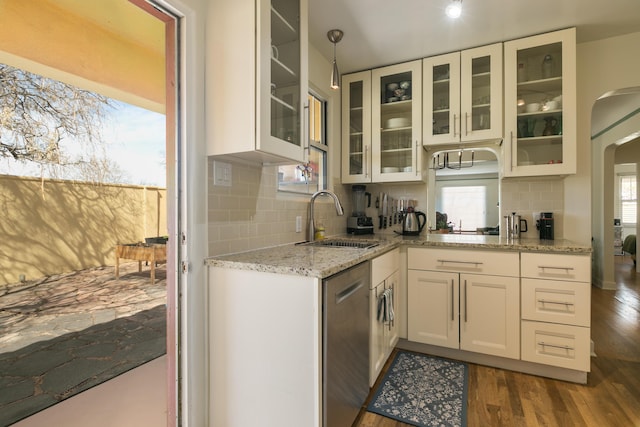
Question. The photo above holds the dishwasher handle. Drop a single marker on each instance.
(347, 292)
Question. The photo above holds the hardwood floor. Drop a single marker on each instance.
(610, 398)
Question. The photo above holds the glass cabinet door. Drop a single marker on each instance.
(441, 99)
(540, 100)
(396, 122)
(463, 96)
(481, 93)
(284, 51)
(356, 127)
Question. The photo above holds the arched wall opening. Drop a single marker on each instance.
(615, 122)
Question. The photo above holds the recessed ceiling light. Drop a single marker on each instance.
(454, 9)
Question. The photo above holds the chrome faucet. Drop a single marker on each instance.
(311, 230)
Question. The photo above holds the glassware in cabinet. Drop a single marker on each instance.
(540, 100)
(396, 118)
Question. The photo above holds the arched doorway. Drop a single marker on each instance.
(615, 122)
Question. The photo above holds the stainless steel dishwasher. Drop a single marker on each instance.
(345, 345)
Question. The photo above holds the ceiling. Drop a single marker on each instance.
(112, 47)
(382, 32)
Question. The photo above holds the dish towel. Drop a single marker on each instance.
(385, 306)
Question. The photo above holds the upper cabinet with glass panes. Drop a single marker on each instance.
(257, 79)
(540, 105)
(381, 125)
(463, 96)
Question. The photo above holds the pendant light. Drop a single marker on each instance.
(334, 37)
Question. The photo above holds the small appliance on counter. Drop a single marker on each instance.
(359, 222)
(545, 225)
(514, 225)
(411, 224)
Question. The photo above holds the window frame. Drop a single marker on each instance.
(321, 146)
(622, 200)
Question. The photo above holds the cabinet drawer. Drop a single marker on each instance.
(384, 266)
(556, 266)
(497, 263)
(564, 346)
(556, 301)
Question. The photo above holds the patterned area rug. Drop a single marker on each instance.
(423, 391)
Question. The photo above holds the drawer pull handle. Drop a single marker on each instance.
(567, 269)
(452, 307)
(564, 347)
(546, 301)
(444, 261)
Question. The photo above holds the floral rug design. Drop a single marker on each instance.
(423, 391)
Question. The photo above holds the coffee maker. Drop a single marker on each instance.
(545, 225)
(359, 222)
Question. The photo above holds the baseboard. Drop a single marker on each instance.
(547, 371)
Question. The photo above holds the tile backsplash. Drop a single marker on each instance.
(251, 213)
(529, 196)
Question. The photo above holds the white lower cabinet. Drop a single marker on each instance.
(384, 297)
(556, 310)
(456, 307)
(265, 347)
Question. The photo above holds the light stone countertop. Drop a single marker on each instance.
(322, 262)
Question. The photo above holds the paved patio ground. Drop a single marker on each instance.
(66, 333)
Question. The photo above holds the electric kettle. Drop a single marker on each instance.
(411, 224)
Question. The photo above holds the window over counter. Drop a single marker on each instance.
(307, 178)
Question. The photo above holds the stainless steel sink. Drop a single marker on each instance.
(343, 243)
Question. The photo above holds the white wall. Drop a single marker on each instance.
(602, 66)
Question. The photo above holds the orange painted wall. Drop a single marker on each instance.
(129, 63)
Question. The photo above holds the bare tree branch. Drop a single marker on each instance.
(50, 122)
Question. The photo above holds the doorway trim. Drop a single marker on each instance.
(603, 146)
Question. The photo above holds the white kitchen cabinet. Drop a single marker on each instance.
(382, 125)
(384, 333)
(265, 347)
(540, 105)
(433, 307)
(463, 96)
(356, 127)
(257, 80)
(463, 299)
(556, 310)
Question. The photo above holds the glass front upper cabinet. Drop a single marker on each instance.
(463, 96)
(284, 49)
(257, 79)
(396, 123)
(356, 127)
(540, 105)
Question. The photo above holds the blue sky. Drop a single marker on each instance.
(135, 141)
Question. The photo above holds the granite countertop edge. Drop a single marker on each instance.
(322, 262)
